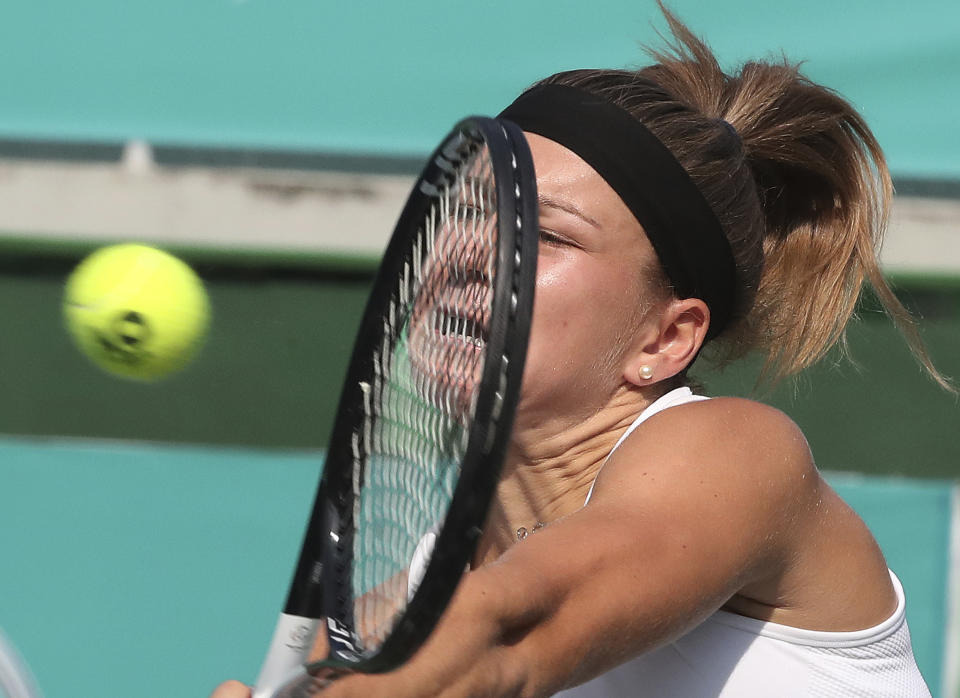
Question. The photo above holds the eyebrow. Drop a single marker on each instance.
(473, 182)
(567, 207)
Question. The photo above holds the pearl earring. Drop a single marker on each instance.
(645, 372)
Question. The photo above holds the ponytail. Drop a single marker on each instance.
(799, 185)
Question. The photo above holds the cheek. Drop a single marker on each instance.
(583, 298)
(559, 304)
(581, 314)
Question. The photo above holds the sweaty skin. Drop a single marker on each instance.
(708, 505)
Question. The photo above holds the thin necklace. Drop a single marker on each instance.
(523, 532)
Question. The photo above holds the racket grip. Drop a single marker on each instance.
(16, 681)
(289, 649)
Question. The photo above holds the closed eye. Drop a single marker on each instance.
(553, 239)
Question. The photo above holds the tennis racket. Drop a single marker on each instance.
(16, 681)
(423, 420)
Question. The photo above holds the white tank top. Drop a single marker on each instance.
(732, 656)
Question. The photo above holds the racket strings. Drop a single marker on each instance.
(424, 390)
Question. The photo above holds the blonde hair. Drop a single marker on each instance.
(797, 180)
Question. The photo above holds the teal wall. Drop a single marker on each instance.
(131, 570)
(389, 77)
(911, 521)
(270, 373)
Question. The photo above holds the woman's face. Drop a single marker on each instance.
(593, 291)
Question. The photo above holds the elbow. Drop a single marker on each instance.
(499, 622)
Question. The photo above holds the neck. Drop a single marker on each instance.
(550, 469)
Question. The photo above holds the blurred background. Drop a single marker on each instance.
(147, 532)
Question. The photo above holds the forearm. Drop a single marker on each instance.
(463, 658)
(540, 619)
(584, 597)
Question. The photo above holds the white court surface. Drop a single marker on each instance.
(304, 210)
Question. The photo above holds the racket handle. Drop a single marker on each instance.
(15, 678)
(289, 649)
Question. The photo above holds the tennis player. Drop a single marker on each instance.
(646, 540)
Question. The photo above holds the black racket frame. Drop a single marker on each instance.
(322, 583)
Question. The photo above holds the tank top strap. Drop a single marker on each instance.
(677, 396)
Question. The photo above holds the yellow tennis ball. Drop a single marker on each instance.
(136, 311)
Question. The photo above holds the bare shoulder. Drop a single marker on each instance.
(727, 416)
(731, 448)
(737, 428)
(740, 423)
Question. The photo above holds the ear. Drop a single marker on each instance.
(670, 343)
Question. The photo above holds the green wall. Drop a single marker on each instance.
(875, 412)
(270, 373)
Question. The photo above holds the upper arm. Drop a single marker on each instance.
(691, 508)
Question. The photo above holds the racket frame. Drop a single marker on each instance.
(321, 587)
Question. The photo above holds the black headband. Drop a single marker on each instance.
(683, 230)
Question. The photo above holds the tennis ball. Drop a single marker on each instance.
(136, 311)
